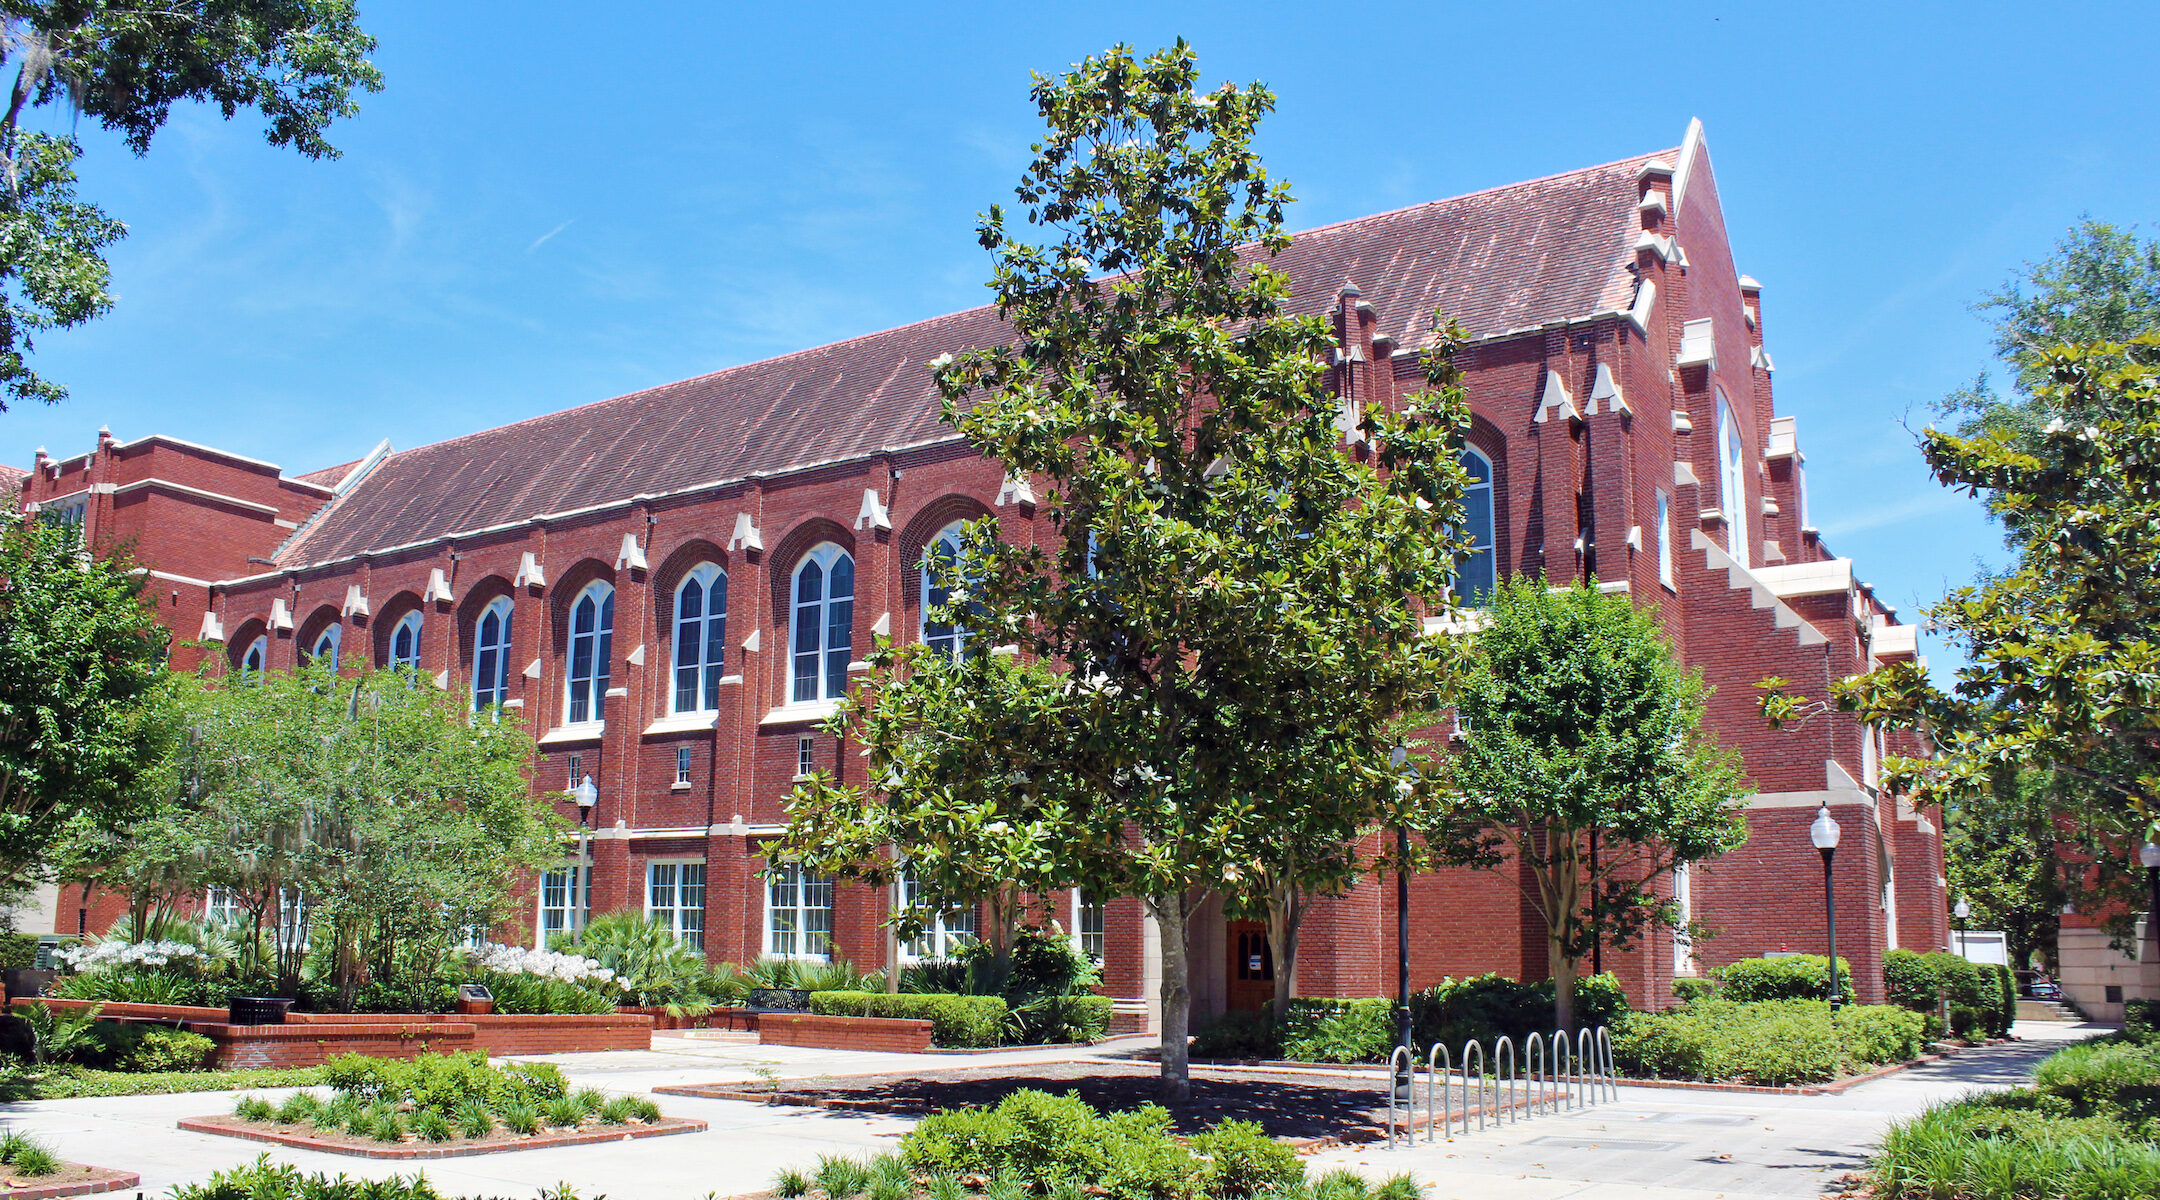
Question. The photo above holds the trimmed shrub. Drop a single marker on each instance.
(2141, 1019)
(1771, 1042)
(18, 949)
(1490, 1006)
(1689, 990)
(1339, 1031)
(1790, 977)
(956, 1022)
(160, 1049)
(1235, 1035)
(1910, 980)
(2005, 1001)
(1881, 1033)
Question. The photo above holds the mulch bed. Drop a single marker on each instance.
(308, 1138)
(72, 1179)
(1306, 1107)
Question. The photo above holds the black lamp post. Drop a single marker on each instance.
(1399, 758)
(1963, 913)
(1824, 833)
(586, 795)
(2149, 855)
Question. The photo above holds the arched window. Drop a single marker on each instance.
(700, 639)
(257, 657)
(824, 624)
(1732, 485)
(325, 650)
(405, 642)
(491, 655)
(592, 637)
(1476, 574)
(939, 572)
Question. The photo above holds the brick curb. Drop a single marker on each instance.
(230, 1127)
(118, 1181)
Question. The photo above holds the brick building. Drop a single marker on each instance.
(673, 586)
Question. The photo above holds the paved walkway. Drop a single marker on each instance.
(1676, 1145)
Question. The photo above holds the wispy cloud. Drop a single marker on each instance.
(1912, 508)
(542, 239)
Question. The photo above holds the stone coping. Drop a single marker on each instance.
(74, 1179)
(224, 1126)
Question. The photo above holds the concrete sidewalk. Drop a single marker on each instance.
(1676, 1144)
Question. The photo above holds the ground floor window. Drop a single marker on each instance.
(1088, 923)
(221, 906)
(675, 897)
(798, 914)
(946, 933)
(565, 896)
(292, 919)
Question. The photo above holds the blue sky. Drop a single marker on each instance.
(551, 204)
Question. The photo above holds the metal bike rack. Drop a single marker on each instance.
(1563, 1068)
(1504, 1052)
(1535, 1065)
(1467, 1077)
(1402, 1065)
(1438, 1066)
(1547, 1076)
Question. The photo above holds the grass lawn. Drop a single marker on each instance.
(69, 1083)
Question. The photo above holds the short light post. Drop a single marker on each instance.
(1963, 913)
(586, 795)
(1824, 833)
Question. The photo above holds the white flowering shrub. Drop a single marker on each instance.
(546, 964)
(111, 955)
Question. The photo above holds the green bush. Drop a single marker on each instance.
(2005, 1001)
(1791, 977)
(2141, 1020)
(444, 1081)
(1238, 1035)
(1874, 1034)
(68, 1083)
(18, 949)
(956, 1022)
(26, 1156)
(655, 967)
(1339, 1031)
(1490, 1006)
(1689, 990)
(2085, 1130)
(1910, 980)
(157, 1048)
(1770, 1042)
(264, 1180)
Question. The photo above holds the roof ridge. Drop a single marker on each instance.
(1520, 183)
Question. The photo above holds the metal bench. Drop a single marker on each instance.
(778, 1000)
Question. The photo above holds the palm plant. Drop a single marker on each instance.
(657, 969)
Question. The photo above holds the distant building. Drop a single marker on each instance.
(673, 587)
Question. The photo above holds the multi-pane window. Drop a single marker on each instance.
(1088, 923)
(700, 639)
(405, 642)
(1665, 571)
(576, 764)
(1732, 483)
(221, 906)
(69, 513)
(682, 765)
(798, 914)
(824, 624)
(944, 933)
(592, 639)
(675, 898)
(1475, 575)
(940, 571)
(325, 649)
(562, 907)
(292, 919)
(491, 656)
(805, 757)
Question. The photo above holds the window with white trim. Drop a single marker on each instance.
(325, 649)
(682, 765)
(257, 656)
(221, 906)
(700, 639)
(1683, 944)
(1088, 929)
(70, 513)
(824, 624)
(805, 757)
(798, 914)
(491, 655)
(1476, 574)
(561, 907)
(1732, 483)
(592, 641)
(405, 642)
(675, 898)
(292, 919)
(940, 571)
(1666, 573)
(943, 933)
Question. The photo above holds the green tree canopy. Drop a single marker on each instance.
(124, 64)
(1225, 577)
(80, 656)
(1578, 721)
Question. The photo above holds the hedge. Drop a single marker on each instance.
(1789, 977)
(18, 949)
(956, 1022)
(1982, 996)
(1773, 1042)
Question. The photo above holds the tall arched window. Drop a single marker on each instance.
(405, 642)
(256, 658)
(491, 655)
(939, 559)
(592, 637)
(325, 650)
(700, 639)
(824, 624)
(1476, 573)
(1732, 484)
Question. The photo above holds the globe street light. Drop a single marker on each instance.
(1824, 833)
(586, 796)
(1963, 913)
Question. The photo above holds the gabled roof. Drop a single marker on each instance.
(1507, 259)
(11, 478)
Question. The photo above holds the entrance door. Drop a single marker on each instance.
(1252, 967)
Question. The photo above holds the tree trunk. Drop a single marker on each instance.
(1170, 912)
(1285, 916)
(1563, 982)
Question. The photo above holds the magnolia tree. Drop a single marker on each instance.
(1224, 579)
(1579, 723)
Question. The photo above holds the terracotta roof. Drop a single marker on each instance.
(1509, 258)
(329, 476)
(11, 478)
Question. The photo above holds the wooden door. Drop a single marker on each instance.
(1251, 967)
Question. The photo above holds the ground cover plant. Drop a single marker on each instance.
(2087, 1129)
(265, 1180)
(1058, 1147)
(1769, 1042)
(24, 1155)
(443, 1099)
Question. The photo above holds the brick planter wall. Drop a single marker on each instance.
(897, 1035)
(741, 1020)
(309, 1039)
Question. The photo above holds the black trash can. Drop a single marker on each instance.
(257, 1010)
